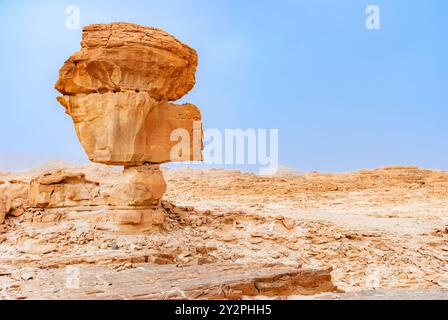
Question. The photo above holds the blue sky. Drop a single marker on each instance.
(343, 97)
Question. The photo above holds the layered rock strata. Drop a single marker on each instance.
(131, 201)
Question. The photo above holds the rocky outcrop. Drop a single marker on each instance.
(220, 281)
(141, 186)
(211, 218)
(117, 90)
(133, 198)
(3, 210)
(129, 128)
(63, 189)
(125, 56)
(14, 199)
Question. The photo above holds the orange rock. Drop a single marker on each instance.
(117, 89)
(132, 128)
(13, 199)
(38, 247)
(125, 56)
(2, 208)
(288, 223)
(62, 189)
(141, 186)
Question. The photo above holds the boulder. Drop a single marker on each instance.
(117, 90)
(141, 186)
(125, 56)
(129, 128)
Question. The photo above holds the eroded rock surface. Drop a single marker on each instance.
(125, 56)
(3, 210)
(129, 128)
(131, 198)
(117, 90)
(219, 281)
(374, 229)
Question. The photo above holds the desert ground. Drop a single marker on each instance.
(371, 234)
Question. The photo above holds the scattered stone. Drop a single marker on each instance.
(159, 243)
(26, 276)
(228, 238)
(320, 256)
(135, 247)
(255, 240)
(50, 217)
(288, 223)
(257, 234)
(89, 236)
(292, 245)
(38, 247)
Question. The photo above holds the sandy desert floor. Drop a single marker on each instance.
(381, 233)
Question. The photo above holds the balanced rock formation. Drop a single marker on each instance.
(118, 89)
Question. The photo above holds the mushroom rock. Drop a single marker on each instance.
(118, 90)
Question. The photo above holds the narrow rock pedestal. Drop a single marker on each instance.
(141, 186)
(136, 199)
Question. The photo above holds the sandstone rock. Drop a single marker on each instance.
(129, 128)
(140, 186)
(89, 236)
(63, 189)
(60, 176)
(255, 240)
(2, 208)
(117, 89)
(38, 247)
(138, 220)
(50, 217)
(288, 223)
(128, 202)
(26, 276)
(413, 259)
(129, 57)
(197, 281)
(228, 238)
(13, 199)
